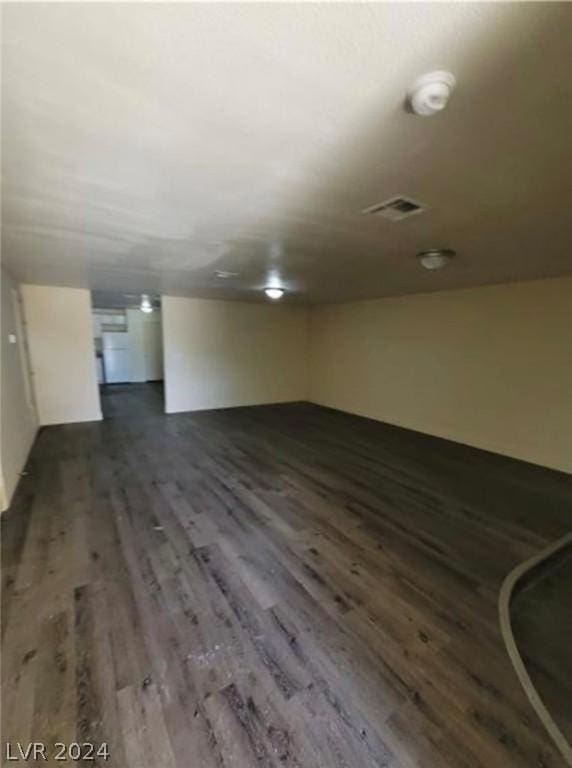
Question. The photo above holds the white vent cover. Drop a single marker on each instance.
(396, 209)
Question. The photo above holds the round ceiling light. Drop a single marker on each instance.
(436, 258)
(430, 94)
(146, 305)
(274, 293)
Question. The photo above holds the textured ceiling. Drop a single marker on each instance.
(147, 145)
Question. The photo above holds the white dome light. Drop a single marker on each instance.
(436, 258)
(274, 293)
(430, 94)
(146, 305)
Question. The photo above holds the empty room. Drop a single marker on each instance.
(286, 384)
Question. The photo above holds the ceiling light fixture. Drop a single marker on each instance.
(145, 305)
(430, 94)
(225, 274)
(436, 258)
(274, 293)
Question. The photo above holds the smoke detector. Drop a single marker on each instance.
(431, 92)
(436, 258)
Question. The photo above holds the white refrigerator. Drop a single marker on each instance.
(115, 347)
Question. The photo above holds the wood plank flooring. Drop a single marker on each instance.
(541, 614)
(273, 586)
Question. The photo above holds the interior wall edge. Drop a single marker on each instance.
(488, 367)
(19, 422)
(7, 493)
(62, 354)
(512, 451)
(246, 404)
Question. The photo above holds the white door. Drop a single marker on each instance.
(115, 345)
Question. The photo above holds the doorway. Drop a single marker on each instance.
(128, 342)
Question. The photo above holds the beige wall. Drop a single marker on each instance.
(62, 353)
(490, 367)
(226, 353)
(18, 427)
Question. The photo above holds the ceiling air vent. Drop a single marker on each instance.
(396, 209)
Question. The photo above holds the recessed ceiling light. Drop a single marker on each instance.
(436, 258)
(146, 305)
(225, 274)
(274, 293)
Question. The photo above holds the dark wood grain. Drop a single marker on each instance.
(274, 586)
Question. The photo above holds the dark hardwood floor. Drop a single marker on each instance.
(273, 586)
(542, 625)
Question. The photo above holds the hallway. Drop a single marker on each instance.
(128, 402)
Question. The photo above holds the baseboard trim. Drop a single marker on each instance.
(447, 432)
(7, 500)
